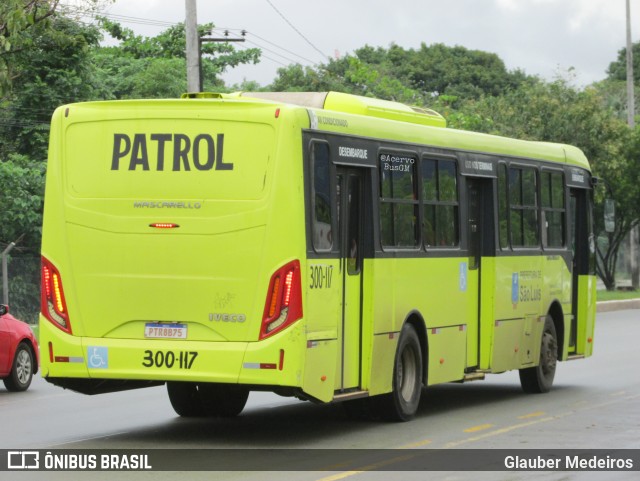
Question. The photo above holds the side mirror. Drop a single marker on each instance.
(609, 215)
(3, 309)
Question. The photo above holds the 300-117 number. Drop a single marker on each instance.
(169, 359)
(320, 277)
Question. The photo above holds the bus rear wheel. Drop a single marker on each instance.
(402, 402)
(185, 399)
(539, 379)
(223, 400)
(190, 399)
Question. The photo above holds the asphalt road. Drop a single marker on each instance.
(595, 403)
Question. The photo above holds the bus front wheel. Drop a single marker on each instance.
(539, 379)
(402, 402)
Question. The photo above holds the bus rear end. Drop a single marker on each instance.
(161, 259)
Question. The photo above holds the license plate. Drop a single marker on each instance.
(156, 330)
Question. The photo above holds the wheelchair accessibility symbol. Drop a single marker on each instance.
(97, 357)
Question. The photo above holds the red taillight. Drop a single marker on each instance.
(284, 300)
(53, 305)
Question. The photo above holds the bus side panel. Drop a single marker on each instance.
(519, 300)
(487, 311)
(323, 282)
(320, 369)
(384, 352)
(586, 315)
(447, 353)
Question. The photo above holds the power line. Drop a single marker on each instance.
(282, 48)
(296, 30)
(218, 30)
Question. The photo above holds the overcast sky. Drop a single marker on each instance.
(541, 37)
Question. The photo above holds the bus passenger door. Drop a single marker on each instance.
(480, 238)
(349, 199)
(583, 264)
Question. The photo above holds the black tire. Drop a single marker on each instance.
(185, 399)
(22, 369)
(402, 403)
(539, 379)
(222, 400)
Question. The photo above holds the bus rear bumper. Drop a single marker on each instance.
(85, 364)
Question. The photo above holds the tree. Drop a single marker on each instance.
(154, 67)
(18, 17)
(557, 112)
(21, 198)
(618, 68)
(622, 183)
(410, 76)
(55, 69)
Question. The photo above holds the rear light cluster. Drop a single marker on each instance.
(284, 300)
(53, 305)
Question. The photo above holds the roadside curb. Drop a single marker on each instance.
(607, 306)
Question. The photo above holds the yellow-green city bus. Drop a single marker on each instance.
(318, 245)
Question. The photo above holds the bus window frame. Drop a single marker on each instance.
(565, 228)
(535, 166)
(415, 154)
(334, 251)
(427, 156)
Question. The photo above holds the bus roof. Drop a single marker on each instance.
(419, 125)
(363, 116)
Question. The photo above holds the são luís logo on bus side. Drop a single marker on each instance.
(174, 152)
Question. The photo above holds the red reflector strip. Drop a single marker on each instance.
(164, 225)
(281, 363)
(259, 365)
(68, 359)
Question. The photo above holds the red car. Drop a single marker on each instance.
(18, 352)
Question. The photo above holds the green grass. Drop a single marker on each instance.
(617, 295)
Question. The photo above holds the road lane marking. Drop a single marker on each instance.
(532, 415)
(416, 444)
(480, 427)
(369, 467)
(497, 432)
(507, 429)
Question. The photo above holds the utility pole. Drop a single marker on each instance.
(193, 47)
(194, 42)
(634, 236)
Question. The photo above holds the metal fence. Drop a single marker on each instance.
(23, 275)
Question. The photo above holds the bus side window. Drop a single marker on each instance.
(553, 209)
(440, 198)
(322, 217)
(523, 202)
(399, 200)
